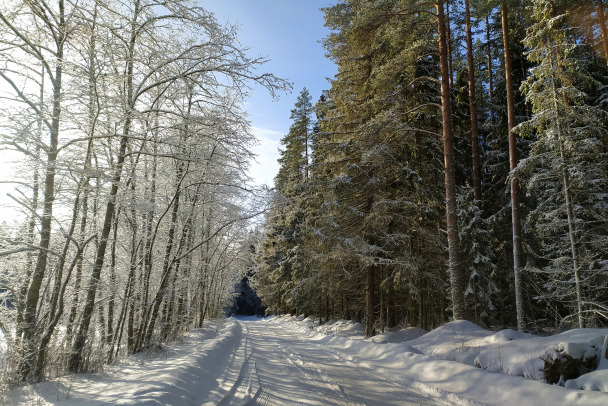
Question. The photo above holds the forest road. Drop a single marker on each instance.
(271, 366)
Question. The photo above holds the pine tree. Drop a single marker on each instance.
(513, 161)
(456, 276)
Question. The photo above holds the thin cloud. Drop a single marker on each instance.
(266, 167)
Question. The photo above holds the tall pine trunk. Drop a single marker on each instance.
(449, 43)
(473, 107)
(515, 200)
(572, 235)
(456, 278)
(602, 19)
(490, 73)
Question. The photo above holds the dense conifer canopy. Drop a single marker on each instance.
(377, 233)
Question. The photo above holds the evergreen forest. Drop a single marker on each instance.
(455, 168)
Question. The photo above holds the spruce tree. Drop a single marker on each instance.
(282, 261)
(382, 159)
(567, 166)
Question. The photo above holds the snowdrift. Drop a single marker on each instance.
(478, 365)
(183, 374)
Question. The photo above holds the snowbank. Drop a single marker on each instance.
(182, 375)
(429, 359)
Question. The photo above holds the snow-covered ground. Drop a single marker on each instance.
(290, 361)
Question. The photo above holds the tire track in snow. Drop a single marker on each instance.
(441, 396)
(274, 366)
(244, 372)
(359, 382)
(317, 374)
(261, 395)
(313, 379)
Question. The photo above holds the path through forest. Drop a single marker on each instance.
(271, 366)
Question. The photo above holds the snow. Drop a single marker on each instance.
(182, 374)
(288, 360)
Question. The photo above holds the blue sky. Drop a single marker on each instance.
(288, 32)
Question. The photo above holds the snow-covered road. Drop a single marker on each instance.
(271, 366)
(289, 361)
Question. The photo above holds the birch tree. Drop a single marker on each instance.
(99, 87)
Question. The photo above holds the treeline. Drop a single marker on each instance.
(457, 167)
(125, 118)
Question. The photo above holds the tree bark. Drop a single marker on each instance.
(602, 18)
(456, 279)
(513, 161)
(370, 319)
(79, 264)
(54, 319)
(473, 107)
(28, 327)
(82, 188)
(448, 39)
(149, 320)
(572, 236)
(490, 73)
(31, 235)
(111, 304)
(75, 360)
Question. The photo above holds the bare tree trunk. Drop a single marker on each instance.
(111, 304)
(327, 309)
(150, 234)
(75, 359)
(473, 107)
(185, 318)
(515, 201)
(382, 305)
(79, 264)
(55, 310)
(490, 72)
(127, 303)
(28, 327)
(82, 187)
(31, 228)
(602, 18)
(449, 42)
(572, 235)
(101, 321)
(456, 279)
(306, 160)
(149, 320)
(370, 319)
(54, 318)
(168, 319)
